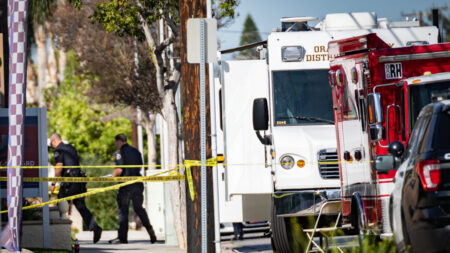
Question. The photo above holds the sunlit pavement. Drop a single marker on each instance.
(254, 242)
(138, 241)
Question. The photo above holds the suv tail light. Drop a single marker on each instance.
(430, 174)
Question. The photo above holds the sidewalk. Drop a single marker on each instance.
(138, 242)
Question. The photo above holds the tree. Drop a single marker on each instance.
(250, 34)
(139, 18)
(130, 85)
(85, 125)
(39, 11)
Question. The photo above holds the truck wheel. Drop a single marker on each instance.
(287, 234)
(279, 239)
(360, 228)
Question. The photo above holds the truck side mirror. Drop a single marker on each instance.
(261, 120)
(260, 114)
(384, 163)
(376, 133)
(375, 113)
(374, 109)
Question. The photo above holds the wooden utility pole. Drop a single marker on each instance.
(190, 90)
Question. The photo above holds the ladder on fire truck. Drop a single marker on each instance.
(327, 207)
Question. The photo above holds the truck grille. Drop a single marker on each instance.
(329, 169)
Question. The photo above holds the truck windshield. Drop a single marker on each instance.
(302, 97)
(421, 95)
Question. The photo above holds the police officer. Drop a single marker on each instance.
(66, 155)
(128, 155)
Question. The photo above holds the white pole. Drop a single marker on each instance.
(212, 91)
(203, 137)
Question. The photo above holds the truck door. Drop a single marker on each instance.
(354, 151)
(245, 170)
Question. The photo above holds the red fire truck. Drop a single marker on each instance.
(375, 105)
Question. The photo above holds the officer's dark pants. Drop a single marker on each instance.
(126, 194)
(88, 218)
(80, 204)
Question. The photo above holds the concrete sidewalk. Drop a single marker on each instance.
(138, 241)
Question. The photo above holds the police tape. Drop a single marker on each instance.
(88, 166)
(211, 162)
(187, 162)
(82, 195)
(96, 191)
(100, 179)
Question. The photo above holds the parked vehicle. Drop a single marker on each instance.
(420, 201)
(378, 92)
(290, 165)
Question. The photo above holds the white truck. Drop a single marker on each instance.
(290, 166)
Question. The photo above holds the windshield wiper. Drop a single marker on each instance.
(313, 119)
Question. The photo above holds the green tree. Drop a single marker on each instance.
(139, 18)
(83, 124)
(250, 34)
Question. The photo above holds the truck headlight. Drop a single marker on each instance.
(287, 162)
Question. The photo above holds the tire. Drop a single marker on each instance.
(360, 229)
(279, 239)
(287, 234)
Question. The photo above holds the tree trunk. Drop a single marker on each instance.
(62, 61)
(169, 113)
(41, 47)
(178, 205)
(52, 66)
(31, 83)
(151, 143)
(191, 112)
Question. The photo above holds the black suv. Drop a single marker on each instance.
(425, 196)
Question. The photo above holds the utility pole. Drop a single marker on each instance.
(191, 111)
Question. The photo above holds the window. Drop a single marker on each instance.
(421, 95)
(349, 108)
(302, 97)
(442, 135)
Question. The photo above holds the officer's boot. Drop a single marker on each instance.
(151, 232)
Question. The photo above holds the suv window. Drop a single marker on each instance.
(419, 129)
(442, 135)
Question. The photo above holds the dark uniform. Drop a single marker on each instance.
(68, 156)
(134, 192)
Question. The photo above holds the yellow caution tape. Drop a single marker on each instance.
(82, 195)
(92, 192)
(282, 195)
(88, 166)
(190, 163)
(100, 179)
